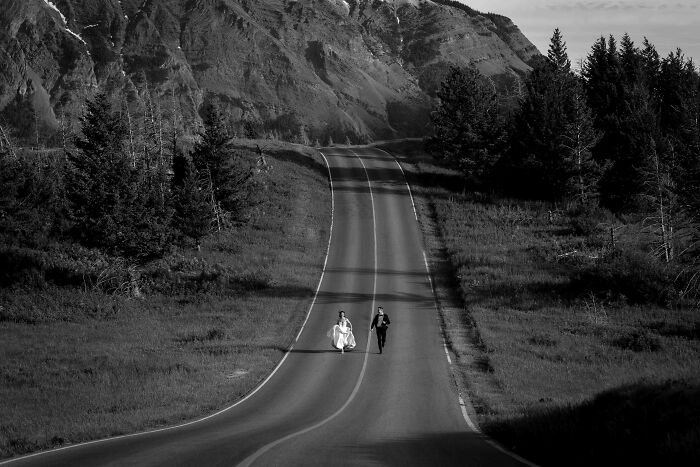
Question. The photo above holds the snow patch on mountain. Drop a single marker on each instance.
(65, 22)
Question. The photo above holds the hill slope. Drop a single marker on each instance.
(365, 68)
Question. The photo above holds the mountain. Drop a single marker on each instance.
(309, 68)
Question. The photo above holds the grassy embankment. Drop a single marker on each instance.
(567, 359)
(78, 363)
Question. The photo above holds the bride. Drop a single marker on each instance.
(341, 334)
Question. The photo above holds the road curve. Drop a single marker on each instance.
(321, 407)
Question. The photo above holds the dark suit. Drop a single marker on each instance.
(381, 326)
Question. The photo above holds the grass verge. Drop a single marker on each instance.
(79, 364)
(560, 368)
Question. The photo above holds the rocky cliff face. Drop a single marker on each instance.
(307, 68)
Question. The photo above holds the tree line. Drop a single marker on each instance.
(621, 134)
(124, 184)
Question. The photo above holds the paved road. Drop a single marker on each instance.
(321, 407)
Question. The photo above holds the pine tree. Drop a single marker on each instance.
(101, 181)
(557, 52)
(227, 172)
(595, 74)
(212, 154)
(115, 206)
(578, 141)
(677, 92)
(611, 97)
(467, 128)
(193, 213)
(13, 178)
(658, 162)
(539, 156)
(630, 61)
(650, 66)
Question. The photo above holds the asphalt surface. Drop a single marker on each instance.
(321, 407)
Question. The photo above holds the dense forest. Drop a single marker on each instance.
(615, 145)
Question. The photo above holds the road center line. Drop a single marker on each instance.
(248, 461)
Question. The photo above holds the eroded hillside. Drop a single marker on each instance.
(311, 68)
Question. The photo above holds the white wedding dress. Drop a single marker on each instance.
(341, 335)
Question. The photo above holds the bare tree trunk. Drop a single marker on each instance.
(64, 141)
(612, 237)
(36, 127)
(579, 164)
(174, 122)
(146, 155)
(5, 141)
(214, 205)
(160, 135)
(663, 215)
(132, 152)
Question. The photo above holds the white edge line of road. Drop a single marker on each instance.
(462, 404)
(256, 455)
(286, 354)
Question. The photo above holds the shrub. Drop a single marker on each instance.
(180, 275)
(638, 342)
(626, 275)
(690, 331)
(215, 334)
(255, 280)
(542, 340)
(584, 225)
(62, 265)
(587, 221)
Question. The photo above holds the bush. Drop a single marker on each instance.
(638, 342)
(583, 225)
(587, 221)
(626, 275)
(255, 280)
(61, 265)
(176, 274)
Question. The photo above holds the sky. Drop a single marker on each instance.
(667, 25)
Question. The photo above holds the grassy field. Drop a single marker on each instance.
(560, 368)
(78, 363)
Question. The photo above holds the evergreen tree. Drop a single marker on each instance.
(657, 164)
(13, 179)
(212, 154)
(101, 181)
(557, 52)
(677, 93)
(228, 173)
(611, 94)
(679, 117)
(193, 213)
(579, 138)
(467, 128)
(33, 207)
(539, 160)
(650, 66)
(115, 206)
(630, 61)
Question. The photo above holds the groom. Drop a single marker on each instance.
(381, 323)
